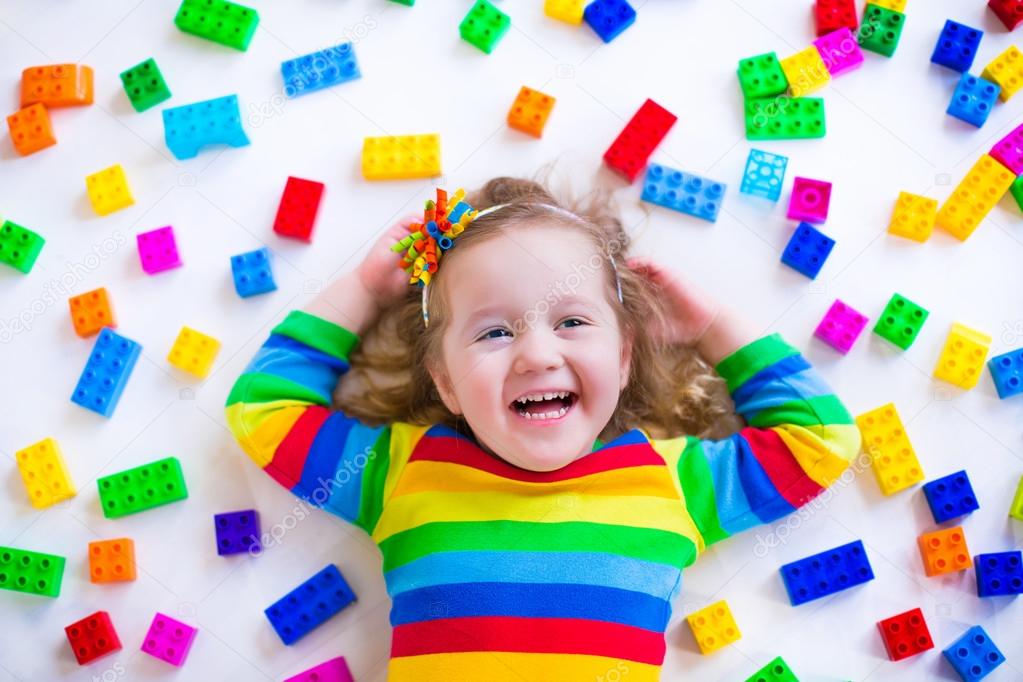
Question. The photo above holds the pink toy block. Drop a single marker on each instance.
(158, 251)
(169, 639)
(1009, 151)
(810, 199)
(840, 327)
(334, 670)
(840, 51)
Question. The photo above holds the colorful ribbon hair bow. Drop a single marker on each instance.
(443, 221)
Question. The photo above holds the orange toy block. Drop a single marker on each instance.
(530, 111)
(31, 130)
(112, 561)
(944, 551)
(57, 85)
(91, 311)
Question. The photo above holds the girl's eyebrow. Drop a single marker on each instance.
(496, 309)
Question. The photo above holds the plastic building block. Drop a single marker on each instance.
(713, 627)
(530, 111)
(237, 532)
(194, 352)
(44, 474)
(628, 154)
(999, 574)
(901, 321)
(1009, 151)
(30, 129)
(784, 118)
(840, 327)
(108, 190)
(92, 637)
(764, 175)
(1016, 189)
(296, 214)
(962, 358)
(1009, 12)
(19, 246)
(309, 605)
(334, 670)
(810, 200)
(974, 197)
(893, 459)
(112, 561)
(91, 311)
(1007, 71)
(407, 3)
(144, 85)
(169, 639)
(805, 72)
(189, 128)
(957, 46)
(31, 572)
(762, 76)
(57, 85)
(106, 372)
(252, 273)
(775, 671)
(840, 51)
(227, 23)
(569, 11)
(913, 217)
(1016, 509)
(319, 70)
(1007, 373)
(944, 551)
(683, 192)
(158, 250)
(897, 5)
(881, 29)
(950, 497)
(608, 18)
(484, 26)
(831, 15)
(401, 157)
(141, 488)
(826, 573)
(807, 250)
(973, 655)
(905, 635)
(973, 100)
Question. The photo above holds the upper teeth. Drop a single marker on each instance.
(536, 397)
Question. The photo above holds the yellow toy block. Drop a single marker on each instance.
(805, 71)
(570, 11)
(108, 190)
(892, 457)
(962, 359)
(401, 157)
(194, 352)
(713, 627)
(913, 217)
(1007, 71)
(1016, 510)
(896, 5)
(982, 188)
(47, 480)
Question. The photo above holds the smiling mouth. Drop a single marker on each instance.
(544, 406)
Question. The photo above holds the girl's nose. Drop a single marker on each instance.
(537, 352)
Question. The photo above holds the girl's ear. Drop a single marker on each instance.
(626, 363)
(443, 383)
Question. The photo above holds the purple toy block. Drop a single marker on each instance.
(158, 251)
(840, 51)
(169, 639)
(334, 670)
(840, 327)
(1009, 151)
(810, 199)
(237, 532)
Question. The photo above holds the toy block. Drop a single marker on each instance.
(608, 18)
(1016, 189)
(762, 76)
(901, 321)
(108, 190)
(944, 551)
(19, 246)
(57, 85)
(950, 497)
(905, 635)
(237, 532)
(913, 217)
(896, 5)
(401, 157)
(1009, 151)
(1009, 12)
(44, 474)
(158, 250)
(91, 311)
(893, 459)
(144, 85)
(974, 197)
(252, 273)
(713, 627)
(784, 118)
(484, 26)
(962, 358)
(1007, 373)
(764, 175)
(973, 655)
(826, 573)
(881, 29)
(112, 561)
(1016, 509)
(629, 153)
(1007, 71)
(31, 572)
(106, 372)
(569, 11)
(683, 192)
(227, 23)
(30, 129)
(530, 111)
(169, 639)
(999, 574)
(810, 201)
(189, 128)
(296, 214)
(831, 15)
(957, 46)
(775, 671)
(319, 70)
(141, 488)
(973, 100)
(309, 605)
(194, 352)
(92, 637)
(334, 670)
(805, 71)
(839, 51)
(840, 327)
(807, 250)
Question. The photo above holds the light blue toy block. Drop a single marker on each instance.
(319, 70)
(252, 273)
(683, 192)
(106, 372)
(764, 175)
(189, 128)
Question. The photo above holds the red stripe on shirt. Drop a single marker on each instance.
(289, 458)
(781, 466)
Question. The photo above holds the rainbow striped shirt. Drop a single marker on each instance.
(501, 574)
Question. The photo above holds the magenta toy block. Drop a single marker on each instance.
(169, 639)
(840, 51)
(840, 327)
(810, 199)
(1009, 151)
(158, 251)
(334, 670)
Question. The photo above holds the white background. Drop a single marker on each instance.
(887, 131)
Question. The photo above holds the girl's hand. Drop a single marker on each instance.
(690, 311)
(379, 273)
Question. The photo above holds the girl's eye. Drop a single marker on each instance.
(574, 319)
(492, 334)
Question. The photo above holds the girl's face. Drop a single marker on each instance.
(532, 355)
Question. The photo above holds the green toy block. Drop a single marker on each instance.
(484, 26)
(784, 118)
(1016, 510)
(19, 247)
(223, 22)
(144, 85)
(405, 2)
(1017, 191)
(881, 29)
(901, 321)
(775, 671)
(142, 488)
(31, 572)
(762, 76)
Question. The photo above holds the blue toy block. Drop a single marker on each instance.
(764, 175)
(950, 497)
(826, 573)
(319, 70)
(106, 372)
(957, 46)
(237, 532)
(1007, 373)
(683, 192)
(1000, 573)
(189, 128)
(973, 99)
(252, 273)
(807, 250)
(310, 605)
(608, 18)
(974, 655)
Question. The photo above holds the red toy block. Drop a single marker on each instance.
(1009, 11)
(91, 311)
(629, 152)
(57, 85)
(31, 130)
(832, 15)
(905, 635)
(296, 214)
(92, 637)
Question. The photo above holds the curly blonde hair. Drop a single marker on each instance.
(671, 390)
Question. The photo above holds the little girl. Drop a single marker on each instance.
(531, 526)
